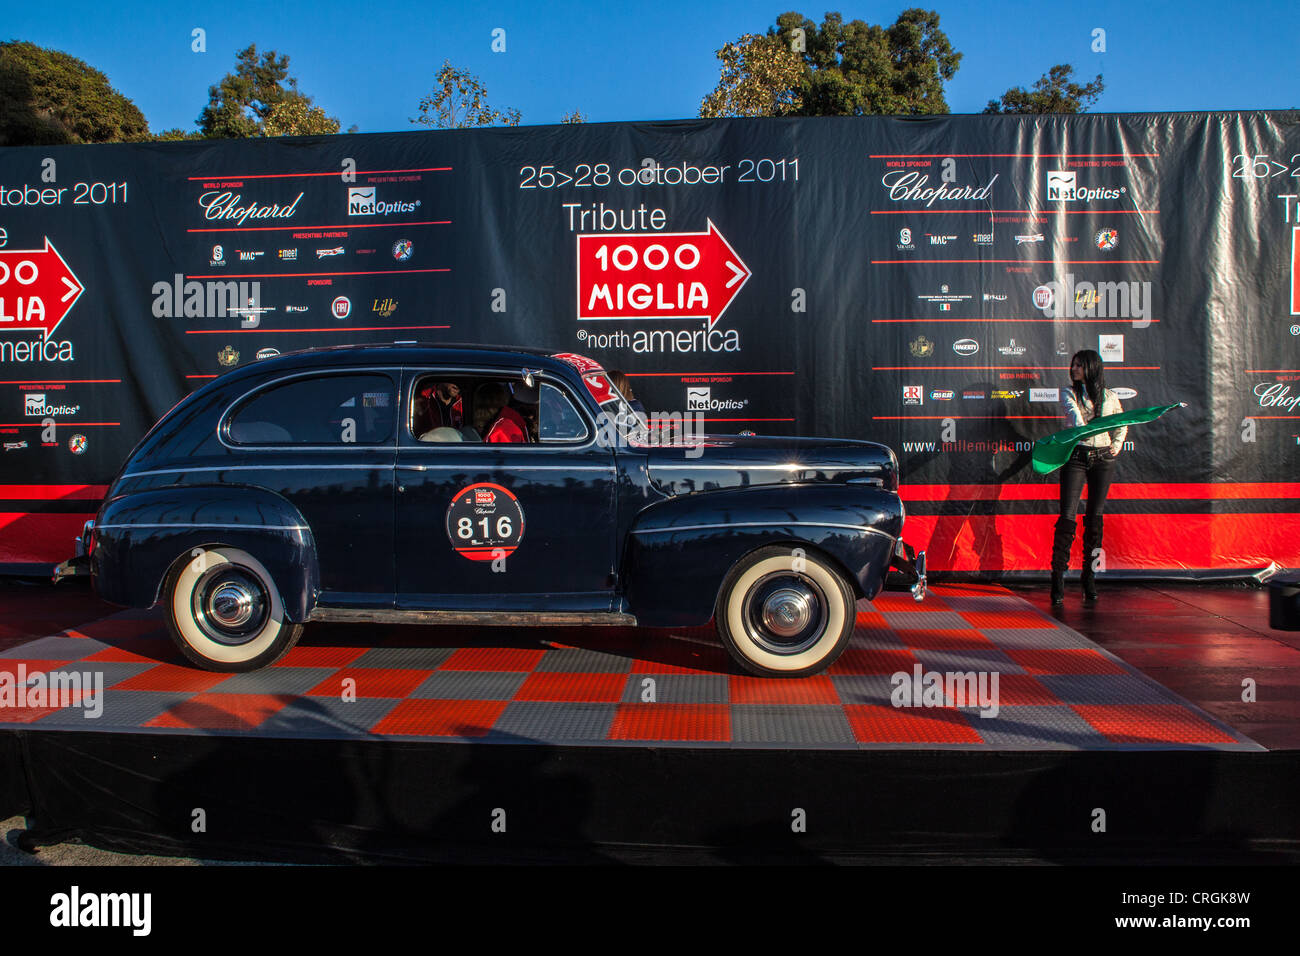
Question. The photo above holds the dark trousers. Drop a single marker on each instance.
(1094, 468)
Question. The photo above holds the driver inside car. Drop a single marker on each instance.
(506, 424)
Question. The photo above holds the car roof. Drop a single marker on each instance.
(406, 353)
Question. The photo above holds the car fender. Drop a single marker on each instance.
(140, 535)
(680, 550)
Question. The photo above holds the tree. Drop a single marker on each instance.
(239, 106)
(1053, 93)
(847, 69)
(761, 76)
(296, 118)
(48, 98)
(459, 101)
(574, 117)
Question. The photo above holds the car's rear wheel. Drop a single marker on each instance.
(785, 613)
(224, 612)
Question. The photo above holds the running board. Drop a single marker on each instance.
(498, 618)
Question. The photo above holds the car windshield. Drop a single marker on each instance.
(631, 427)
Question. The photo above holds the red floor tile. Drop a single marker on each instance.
(493, 659)
(871, 620)
(320, 656)
(1063, 661)
(671, 722)
(173, 677)
(563, 686)
(11, 665)
(777, 690)
(371, 682)
(874, 723)
(119, 655)
(222, 711)
(944, 640)
(1008, 619)
(441, 718)
(865, 660)
(1157, 724)
(895, 601)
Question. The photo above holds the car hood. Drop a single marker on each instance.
(729, 461)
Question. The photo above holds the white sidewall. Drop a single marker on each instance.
(182, 603)
(830, 586)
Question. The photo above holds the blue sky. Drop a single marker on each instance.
(369, 64)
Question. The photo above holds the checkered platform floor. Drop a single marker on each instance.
(1055, 690)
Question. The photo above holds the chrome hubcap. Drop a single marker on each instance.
(788, 610)
(230, 605)
(785, 613)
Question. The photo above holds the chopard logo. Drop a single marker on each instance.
(1277, 395)
(910, 186)
(219, 205)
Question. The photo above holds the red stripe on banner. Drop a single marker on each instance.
(1131, 542)
(926, 318)
(357, 328)
(308, 275)
(688, 374)
(52, 492)
(1132, 491)
(39, 538)
(63, 381)
(1069, 262)
(354, 225)
(992, 156)
(334, 172)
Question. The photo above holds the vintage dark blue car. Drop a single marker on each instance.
(419, 484)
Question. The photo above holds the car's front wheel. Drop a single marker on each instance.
(224, 612)
(785, 613)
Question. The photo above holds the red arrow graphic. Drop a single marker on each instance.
(37, 289)
(658, 275)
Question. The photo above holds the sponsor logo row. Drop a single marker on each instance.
(1066, 298)
(1105, 239)
(1110, 347)
(915, 394)
(401, 251)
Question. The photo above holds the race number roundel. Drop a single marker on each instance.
(485, 522)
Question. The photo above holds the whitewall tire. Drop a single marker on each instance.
(224, 612)
(785, 613)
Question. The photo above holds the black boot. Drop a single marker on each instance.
(1091, 552)
(1061, 541)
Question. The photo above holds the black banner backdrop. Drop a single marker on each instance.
(921, 282)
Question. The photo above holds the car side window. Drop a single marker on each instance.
(321, 410)
(558, 420)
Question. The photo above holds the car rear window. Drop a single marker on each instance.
(321, 410)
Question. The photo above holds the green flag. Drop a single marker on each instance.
(1052, 452)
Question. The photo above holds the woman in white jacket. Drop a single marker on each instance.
(1092, 461)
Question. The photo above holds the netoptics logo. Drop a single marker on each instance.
(1063, 186)
(697, 399)
(34, 405)
(364, 201)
